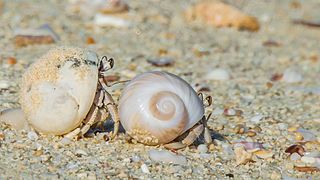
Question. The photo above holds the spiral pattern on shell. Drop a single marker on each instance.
(157, 107)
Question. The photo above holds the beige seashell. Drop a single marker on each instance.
(58, 90)
(156, 107)
(218, 14)
(15, 118)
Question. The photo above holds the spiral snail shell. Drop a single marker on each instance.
(157, 107)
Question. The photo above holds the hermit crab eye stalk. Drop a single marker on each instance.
(209, 101)
(105, 64)
(200, 96)
(111, 62)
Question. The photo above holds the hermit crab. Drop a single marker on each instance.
(64, 92)
(161, 108)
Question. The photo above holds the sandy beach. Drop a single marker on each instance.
(265, 86)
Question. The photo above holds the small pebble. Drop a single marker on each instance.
(295, 149)
(241, 155)
(65, 141)
(251, 133)
(283, 126)
(161, 61)
(4, 85)
(107, 20)
(145, 169)
(202, 148)
(167, 157)
(217, 111)
(314, 154)
(2, 136)
(256, 119)
(38, 153)
(230, 112)
(308, 160)
(298, 136)
(218, 74)
(81, 152)
(295, 157)
(264, 154)
(90, 40)
(35, 36)
(291, 76)
(72, 165)
(307, 135)
(32, 136)
(211, 147)
(239, 129)
(11, 61)
(136, 159)
(292, 129)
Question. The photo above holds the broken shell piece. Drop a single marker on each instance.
(90, 7)
(241, 155)
(308, 160)
(161, 62)
(107, 20)
(263, 154)
(218, 74)
(250, 146)
(167, 157)
(42, 35)
(295, 157)
(219, 14)
(307, 169)
(4, 84)
(114, 6)
(295, 149)
(307, 135)
(15, 118)
(291, 76)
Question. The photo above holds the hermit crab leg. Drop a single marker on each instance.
(207, 134)
(91, 117)
(193, 134)
(110, 104)
(196, 131)
(72, 134)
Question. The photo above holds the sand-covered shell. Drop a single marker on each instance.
(58, 90)
(156, 107)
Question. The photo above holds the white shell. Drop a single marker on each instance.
(157, 107)
(15, 118)
(58, 90)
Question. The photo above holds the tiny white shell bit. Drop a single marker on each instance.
(157, 107)
(58, 90)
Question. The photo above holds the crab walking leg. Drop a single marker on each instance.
(72, 134)
(112, 109)
(207, 136)
(193, 134)
(207, 133)
(92, 116)
(90, 120)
